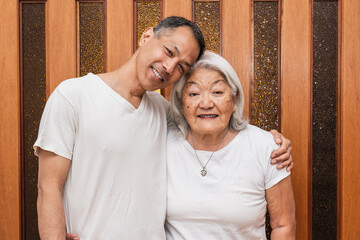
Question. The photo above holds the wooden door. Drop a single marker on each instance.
(291, 82)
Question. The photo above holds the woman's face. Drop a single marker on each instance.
(207, 102)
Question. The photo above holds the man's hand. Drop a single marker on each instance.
(282, 155)
(72, 236)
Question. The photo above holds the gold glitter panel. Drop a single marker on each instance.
(265, 91)
(207, 17)
(34, 98)
(91, 37)
(148, 14)
(324, 171)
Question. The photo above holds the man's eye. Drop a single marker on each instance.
(181, 68)
(169, 52)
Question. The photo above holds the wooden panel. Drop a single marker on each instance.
(119, 33)
(350, 121)
(181, 8)
(236, 42)
(178, 8)
(9, 121)
(60, 42)
(296, 105)
(207, 15)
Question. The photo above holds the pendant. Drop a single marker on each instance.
(203, 172)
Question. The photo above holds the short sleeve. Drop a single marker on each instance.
(273, 175)
(57, 126)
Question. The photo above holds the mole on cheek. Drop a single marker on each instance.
(187, 106)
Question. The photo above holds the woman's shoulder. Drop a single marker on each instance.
(256, 136)
(174, 133)
(255, 132)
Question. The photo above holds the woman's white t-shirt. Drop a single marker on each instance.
(229, 202)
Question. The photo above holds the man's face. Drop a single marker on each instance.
(162, 61)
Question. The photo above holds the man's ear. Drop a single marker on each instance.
(147, 35)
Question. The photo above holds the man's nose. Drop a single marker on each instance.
(170, 65)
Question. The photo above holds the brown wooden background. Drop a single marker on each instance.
(296, 62)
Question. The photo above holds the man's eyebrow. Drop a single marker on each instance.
(178, 52)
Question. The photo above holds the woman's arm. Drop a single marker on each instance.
(281, 208)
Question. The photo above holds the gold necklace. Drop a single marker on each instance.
(203, 172)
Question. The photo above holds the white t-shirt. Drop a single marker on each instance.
(229, 202)
(116, 185)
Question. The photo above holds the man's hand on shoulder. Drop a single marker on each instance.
(282, 156)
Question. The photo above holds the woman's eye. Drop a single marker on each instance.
(192, 94)
(218, 92)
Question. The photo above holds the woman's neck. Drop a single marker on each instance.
(210, 142)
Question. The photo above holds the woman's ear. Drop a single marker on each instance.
(147, 35)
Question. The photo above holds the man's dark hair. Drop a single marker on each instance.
(171, 23)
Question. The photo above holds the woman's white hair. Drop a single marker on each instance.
(215, 62)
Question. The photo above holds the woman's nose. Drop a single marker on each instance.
(206, 101)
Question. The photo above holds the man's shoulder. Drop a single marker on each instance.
(157, 98)
(76, 82)
(75, 86)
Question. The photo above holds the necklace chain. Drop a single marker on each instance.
(203, 172)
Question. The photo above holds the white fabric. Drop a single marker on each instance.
(229, 202)
(116, 185)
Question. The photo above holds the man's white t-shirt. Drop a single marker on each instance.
(116, 185)
(229, 202)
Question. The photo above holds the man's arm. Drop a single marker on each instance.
(282, 155)
(281, 208)
(53, 171)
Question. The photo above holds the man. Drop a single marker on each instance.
(101, 143)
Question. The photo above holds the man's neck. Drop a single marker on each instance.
(124, 82)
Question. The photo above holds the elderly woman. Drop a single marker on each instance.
(220, 180)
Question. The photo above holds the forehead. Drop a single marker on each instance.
(206, 76)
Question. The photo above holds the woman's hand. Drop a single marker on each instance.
(72, 236)
(282, 155)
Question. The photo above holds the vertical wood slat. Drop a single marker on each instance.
(208, 16)
(266, 82)
(10, 121)
(33, 97)
(350, 121)
(178, 8)
(90, 18)
(119, 33)
(338, 124)
(236, 43)
(60, 42)
(324, 119)
(296, 105)
(144, 18)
